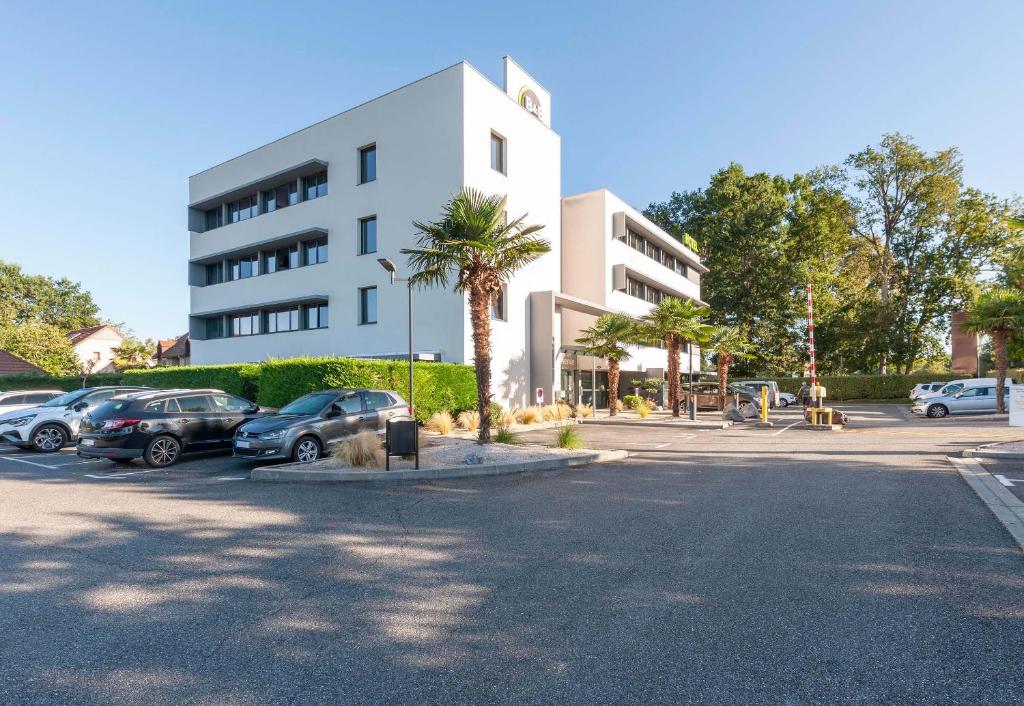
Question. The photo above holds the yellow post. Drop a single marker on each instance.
(764, 403)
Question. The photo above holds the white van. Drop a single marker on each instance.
(954, 386)
(756, 385)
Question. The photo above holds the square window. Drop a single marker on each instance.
(368, 305)
(498, 306)
(368, 164)
(367, 235)
(497, 153)
(315, 186)
(214, 218)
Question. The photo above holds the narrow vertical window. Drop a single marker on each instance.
(497, 153)
(498, 305)
(368, 305)
(368, 164)
(367, 235)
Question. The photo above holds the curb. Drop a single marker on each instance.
(981, 453)
(1006, 506)
(686, 424)
(295, 474)
(822, 427)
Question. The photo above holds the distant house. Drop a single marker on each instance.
(174, 351)
(11, 364)
(95, 347)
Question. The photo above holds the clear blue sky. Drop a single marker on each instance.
(106, 108)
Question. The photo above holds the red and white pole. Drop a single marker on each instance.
(810, 336)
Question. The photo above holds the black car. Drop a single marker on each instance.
(159, 426)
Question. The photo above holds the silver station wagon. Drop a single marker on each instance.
(979, 399)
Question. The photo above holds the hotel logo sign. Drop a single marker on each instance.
(528, 99)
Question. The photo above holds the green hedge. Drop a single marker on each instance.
(46, 382)
(865, 387)
(237, 379)
(439, 386)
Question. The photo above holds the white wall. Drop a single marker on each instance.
(99, 347)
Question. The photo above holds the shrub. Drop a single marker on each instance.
(643, 409)
(441, 422)
(530, 415)
(585, 410)
(469, 420)
(568, 437)
(508, 417)
(633, 401)
(242, 380)
(504, 435)
(362, 449)
(439, 386)
(865, 387)
(66, 383)
(548, 413)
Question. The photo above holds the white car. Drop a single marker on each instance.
(954, 386)
(923, 388)
(11, 400)
(786, 399)
(54, 424)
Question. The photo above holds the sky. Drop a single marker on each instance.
(107, 108)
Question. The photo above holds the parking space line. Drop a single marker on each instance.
(1008, 482)
(788, 428)
(122, 475)
(31, 463)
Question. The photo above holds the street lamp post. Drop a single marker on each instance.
(693, 400)
(390, 268)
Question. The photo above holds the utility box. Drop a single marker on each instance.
(402, 438)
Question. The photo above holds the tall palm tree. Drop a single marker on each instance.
(607, 339)
(999, 313)
(675, 322)
(727, 343)
(475, 242)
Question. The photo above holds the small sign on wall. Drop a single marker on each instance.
(539, 395)
(1017, 405)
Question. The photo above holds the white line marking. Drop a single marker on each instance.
(788, 428)
(232, 478)
(122, 475)
(661, 446)
(32, 463)
(1008, 482)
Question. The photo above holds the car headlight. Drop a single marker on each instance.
(20, 421)
(270, 435)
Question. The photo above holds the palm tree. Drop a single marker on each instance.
(727, 343)
(606, 339)
(999, 313)
(474, 241)
(675, 322)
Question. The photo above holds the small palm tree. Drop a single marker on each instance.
(999, 313)
(474, 242)
(607, 339)
(675, 322)
(726, 343)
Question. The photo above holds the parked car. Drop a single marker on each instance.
(707, 396)
(160, 425)
(773, 390)
(54, 424)
(954, 386)
(787, 398)
(23, 399)
(922, 388)
(304, 428)
(976, 399)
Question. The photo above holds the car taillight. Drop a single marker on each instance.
(113, 424)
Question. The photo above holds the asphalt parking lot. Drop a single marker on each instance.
(1008, 472)
(719, 566)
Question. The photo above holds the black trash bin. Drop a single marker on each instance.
(402, 438)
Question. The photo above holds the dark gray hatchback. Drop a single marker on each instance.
(303, 429)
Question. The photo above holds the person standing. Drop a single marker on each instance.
(805, 394)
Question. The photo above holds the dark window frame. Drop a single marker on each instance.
(364, 318)
(364, 222)
(366, 166)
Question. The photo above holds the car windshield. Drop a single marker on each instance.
(952, 389)
(66, 399)
(309, 404)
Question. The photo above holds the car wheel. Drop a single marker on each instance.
(307, 449)
(49, 437)
(162, 452)
(783, 403)
(937, 411)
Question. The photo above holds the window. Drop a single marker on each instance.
(215, 273)
(350, 403)
(367, 235)
(498, 306)
(368, 164)
(316, 316)
(215, 327)
(243, 209)
(315, 186)
(154, 407)
(228, 403)
(245, 324)
(286, 258)
(314, 252)
(377, 400)
(282, 320)
(642, 290)
(368, 305)
(497, 153)
(976, 392)
(37, 398)
(245, 267)
(194, 404)
(642, 244)
(214, 218)
(283, 196)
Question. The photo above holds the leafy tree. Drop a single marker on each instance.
(43, 345)
(474, 241)
(675, 322)
(999, 313)
(132, 354)
(607, 339)
(28, 299)
(726, 344)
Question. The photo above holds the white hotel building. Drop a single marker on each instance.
(284, 241)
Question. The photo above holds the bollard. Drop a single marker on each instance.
(764, 404)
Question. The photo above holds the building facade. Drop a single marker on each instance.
(95, 347)
(284, 240)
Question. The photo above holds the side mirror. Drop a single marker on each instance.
(958, 395)
(80, 406)
(253, 409)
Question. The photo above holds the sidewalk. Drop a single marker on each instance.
(1002, 449)
(664, 418)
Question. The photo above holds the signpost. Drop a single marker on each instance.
(1017, 405)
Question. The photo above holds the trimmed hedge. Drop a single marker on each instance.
(240, 379)
(46, 382)
(865, 387)
(440, 387)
